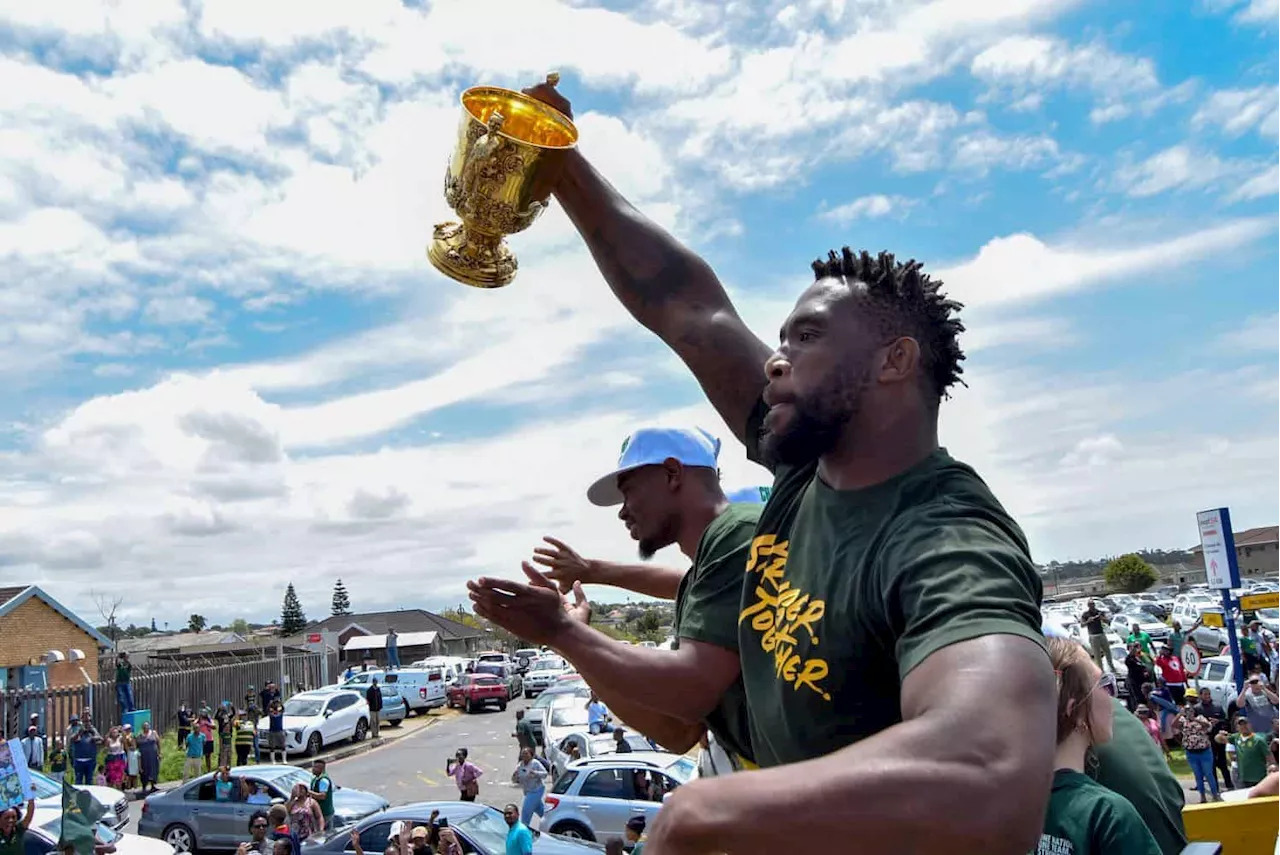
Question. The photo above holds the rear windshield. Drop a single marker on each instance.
(486, 680)
(565, 781)
(489, 668)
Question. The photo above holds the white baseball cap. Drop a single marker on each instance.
(653, 446)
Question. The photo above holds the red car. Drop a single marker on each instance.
(471, 691)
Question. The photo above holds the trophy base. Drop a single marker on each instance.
(470, 257)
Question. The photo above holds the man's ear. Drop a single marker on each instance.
(901, 360)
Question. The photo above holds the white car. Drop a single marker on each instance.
(542, 672)
(1122, 625)
(593, 799)
(565, 714)
(1217, 677)
(591, 747)
(113, 802)
(421, 688)
(46, 828)
(321, 717)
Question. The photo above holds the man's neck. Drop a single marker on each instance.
(695, 525)
(867, 455)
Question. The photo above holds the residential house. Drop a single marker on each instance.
(420, 633)
(44, 643)
(1257, 553)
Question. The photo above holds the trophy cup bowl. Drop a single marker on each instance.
(509, 155)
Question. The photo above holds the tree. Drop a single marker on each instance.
(153, 624)
(1129, 574)
(196, 623)
(292, 619)
(240, 627)
(464, 617)
(341, 602)
(107, 606)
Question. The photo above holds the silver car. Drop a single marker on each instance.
(189, 817)
(593, 799)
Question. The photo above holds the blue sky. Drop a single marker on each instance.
(229, 366)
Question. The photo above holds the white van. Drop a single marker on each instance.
(453, 667)
(421, 688)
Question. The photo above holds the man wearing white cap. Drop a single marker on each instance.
(668, 487)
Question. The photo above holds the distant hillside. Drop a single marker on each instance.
(1093, 567)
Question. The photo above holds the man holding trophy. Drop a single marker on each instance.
(898, 692)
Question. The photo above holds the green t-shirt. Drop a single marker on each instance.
(525, 735)
(1252, 755)
(707, 605)
(1142, 638)
(123, 673)
(848, 591)
(15, 843)
(1132, 765)
(1087, 819)
(323, 784)
(1176, 640)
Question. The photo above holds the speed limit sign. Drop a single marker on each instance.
(1191, 658)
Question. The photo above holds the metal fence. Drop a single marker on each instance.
(161, 693)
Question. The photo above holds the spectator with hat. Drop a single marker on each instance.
(1252, 754)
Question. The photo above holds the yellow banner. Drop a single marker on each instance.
(1253, 602)
(1211, 618)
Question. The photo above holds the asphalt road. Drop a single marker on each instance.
(412, 769)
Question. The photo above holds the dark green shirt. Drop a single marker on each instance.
(123, 673)
(1252, 755)
(1085, 818)
(14, 845)
(848, 591)
(1132, 765)
(707, 605)
(525, 736)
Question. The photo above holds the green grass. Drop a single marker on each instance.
(1179, 765)
(171, 759)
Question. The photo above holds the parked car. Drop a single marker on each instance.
(1217, 677)
(481, 830)
(421, 688)
(506, 673)
(1270, 619)
(524, 658)
(542, 672)
(590, 747)
(450, 666)
(1122, 625)
(496, 657)
(593, 799)
(188, 817)
(565, 715)
(1151, 604)
(113, 802)
(321, 717)
(46, 829)
(474, 691)
(538, 709)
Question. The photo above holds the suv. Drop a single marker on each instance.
(321, 717)
(421, 688)
(595, 798)
(542, 673)
(506, 673)
(472, 691)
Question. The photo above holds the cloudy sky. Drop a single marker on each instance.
(227, 364)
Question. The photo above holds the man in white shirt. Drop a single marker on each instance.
(33, 748)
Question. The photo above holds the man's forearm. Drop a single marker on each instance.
(625, 676)
(651, 581)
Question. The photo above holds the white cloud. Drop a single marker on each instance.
(1181, 168)
(1265, 183)
(1255, 12)
(868, 207)
(1239, 111)
(177, 310)
(983, 151)
(1255, 333)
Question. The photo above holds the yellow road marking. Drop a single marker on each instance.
(427, 781)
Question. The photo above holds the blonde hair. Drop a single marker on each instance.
(1075, 684)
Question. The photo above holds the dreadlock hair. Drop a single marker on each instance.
(912, 303)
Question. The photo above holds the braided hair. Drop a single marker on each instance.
(910, 303)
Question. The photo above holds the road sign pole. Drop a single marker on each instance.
(1228, 619)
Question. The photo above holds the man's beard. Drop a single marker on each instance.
(818, 421)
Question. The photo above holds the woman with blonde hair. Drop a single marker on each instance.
(1084, 817)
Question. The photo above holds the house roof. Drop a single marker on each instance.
(378, 642)
(177, 640)
(1251, 537)
(11, 598)
(404, 621)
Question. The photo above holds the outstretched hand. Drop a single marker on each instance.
(564, 565)
(536, 612)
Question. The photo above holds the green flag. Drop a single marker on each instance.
(80, 812)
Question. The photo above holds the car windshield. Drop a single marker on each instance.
(487, 831)
(304, 706)
(547, 665)
(1269, 614)
(570, 712)
(489, 668)
(43, 786)
(286, 781)
(683, 770)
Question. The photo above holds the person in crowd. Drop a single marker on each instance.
(1094, 622)
(33, 749)
(634, 834)
(185, 719)
(1153, 729)
(1207, 707)
(1197, 742)
(195, 754)
(276, 745)
(13, 829)
(124, 683)
(1163, 709)
(84, 742)
(115, 762)
(1173, 674)
(519, 837)
(597, 715)
(1249, 651)
(1177, 637)
(243, 727)
(465, 774)
(207, 728)
(100, 779)
(258, 844)
(373, 697)
(1137, 636)
(449, 844)
(530, 776)
(322, 791)
(620, 744)
(1259, 704)
(132, 759)
(305, 817)
(1084, 816)
(944, 594)
(281, 832)
(393, 649)
(420, 840)
(524, 733)
(256, 793)
(270, 692)
(58, 759)
(147, 750)
(225, 718)
(1252, 754)
(1137, 673)
(614, 846)
(224, 786)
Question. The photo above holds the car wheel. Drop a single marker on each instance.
(314, 744)
(362, 730)
(466, 705)
(502, 707)
(395, 722)
(180, 837)
(527, 694)
(573, 830)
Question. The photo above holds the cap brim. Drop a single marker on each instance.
(604, 492)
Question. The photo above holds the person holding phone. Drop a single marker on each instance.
(465, 774)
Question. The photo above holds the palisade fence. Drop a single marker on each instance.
(160, 692)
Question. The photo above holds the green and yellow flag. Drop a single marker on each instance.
(80, 813)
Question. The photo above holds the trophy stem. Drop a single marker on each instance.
(471, 256)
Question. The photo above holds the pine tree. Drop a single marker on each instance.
(153, 624)
(292, 620)
(341, 602)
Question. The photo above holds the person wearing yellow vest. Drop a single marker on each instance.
(244, 727)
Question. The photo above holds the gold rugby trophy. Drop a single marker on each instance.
(509, 156)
